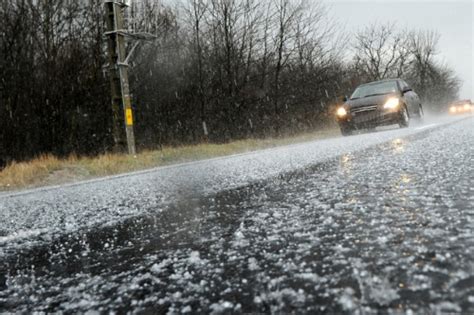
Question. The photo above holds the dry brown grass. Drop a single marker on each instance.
(49, 170)
(28, 173)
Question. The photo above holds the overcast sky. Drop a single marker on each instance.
(452, 19)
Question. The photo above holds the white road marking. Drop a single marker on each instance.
(427, 126)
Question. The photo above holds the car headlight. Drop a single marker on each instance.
(392, 103)
(341, 112)
(467, 107)
(452, 109)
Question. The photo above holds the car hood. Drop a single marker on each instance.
(370, 100)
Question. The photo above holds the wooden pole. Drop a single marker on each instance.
(118, 72)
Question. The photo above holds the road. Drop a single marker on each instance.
(374, 222)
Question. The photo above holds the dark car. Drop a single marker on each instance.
(379, 103)
(461, 107)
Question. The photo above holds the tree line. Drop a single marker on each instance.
(219, 70)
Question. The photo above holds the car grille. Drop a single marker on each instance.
(364, 114)
(363, 109)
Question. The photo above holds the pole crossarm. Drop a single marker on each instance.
(117, 32)
(134, 36)
(122, 3)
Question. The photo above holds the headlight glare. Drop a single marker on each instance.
(341, 112)
(392, 103)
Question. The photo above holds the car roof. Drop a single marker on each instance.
(381, 81)
(461, 102)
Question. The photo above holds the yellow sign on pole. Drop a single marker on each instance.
(129, 116)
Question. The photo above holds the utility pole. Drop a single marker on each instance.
(118, 72)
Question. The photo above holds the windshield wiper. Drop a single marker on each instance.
(375, 94)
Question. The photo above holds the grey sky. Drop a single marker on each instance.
(452, 19)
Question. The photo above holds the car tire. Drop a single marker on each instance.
(404, 119)
(419, 112)
(346, 131)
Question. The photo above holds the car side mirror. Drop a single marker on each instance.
(345, 98)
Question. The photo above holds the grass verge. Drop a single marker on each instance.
(50, 170)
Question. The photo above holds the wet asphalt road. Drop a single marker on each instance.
(385, 226)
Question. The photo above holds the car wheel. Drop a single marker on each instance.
(346, 131)
(404, 118)
(419, 112)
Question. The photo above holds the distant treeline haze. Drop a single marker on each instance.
(219, 70)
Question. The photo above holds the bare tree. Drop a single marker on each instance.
(287, 14)
(381, 51)
(196, 13)
(423, 48)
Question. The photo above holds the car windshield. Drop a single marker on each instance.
(375, 89)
